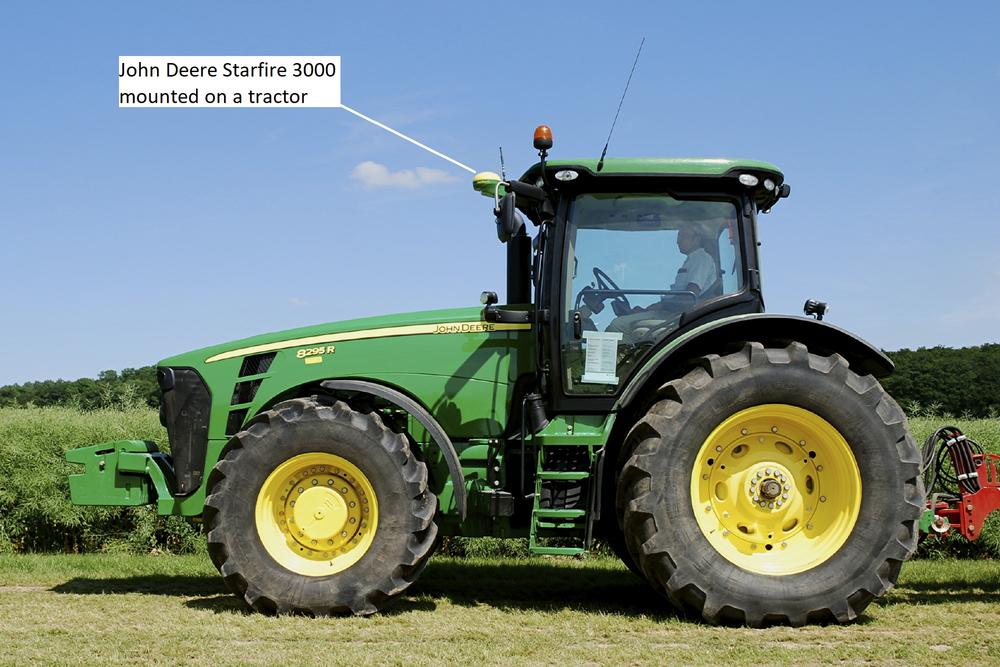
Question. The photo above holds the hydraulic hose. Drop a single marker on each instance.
(949, 444)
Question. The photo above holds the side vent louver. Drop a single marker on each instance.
(244, 392)
(256, 364)
(235, 421)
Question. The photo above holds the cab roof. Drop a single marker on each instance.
(682, 167)
(666, 166)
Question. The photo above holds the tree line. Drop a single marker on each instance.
(963, 382)
(127, 388)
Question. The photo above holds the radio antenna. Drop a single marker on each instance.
(503, 175)
(600, 163)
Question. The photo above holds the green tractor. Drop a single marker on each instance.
(630, 390)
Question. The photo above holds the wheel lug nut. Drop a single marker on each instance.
(784, 496)
(329, 482)
(774, 429)
(301, 489)
(718, 448)
(767, 471)
(787, 488)
(819, 468)
(756, 499)
(343, 534)
(822, 499)
(743, 431)
(760, 473)
(770, 506)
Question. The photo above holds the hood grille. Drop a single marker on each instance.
(256, 364)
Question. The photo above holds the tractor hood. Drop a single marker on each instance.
(450, 320)
(450, 361)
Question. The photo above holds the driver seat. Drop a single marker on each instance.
(656, 327)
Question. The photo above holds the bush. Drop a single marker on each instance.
(35, 511)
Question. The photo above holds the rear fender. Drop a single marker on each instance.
(722, 336)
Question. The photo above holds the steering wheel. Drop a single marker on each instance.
(619, 302)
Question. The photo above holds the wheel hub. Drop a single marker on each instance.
(769, 486)
(320, 513)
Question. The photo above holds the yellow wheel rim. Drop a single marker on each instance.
(316, 514)
(776, 489)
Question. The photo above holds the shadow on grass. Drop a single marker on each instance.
(151, 584)
(541, 586)
(534, 585)
(519, 585)
(943, 591)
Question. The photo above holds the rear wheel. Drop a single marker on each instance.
(317, 508)
(771, 485)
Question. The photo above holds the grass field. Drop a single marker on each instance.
(173, 609)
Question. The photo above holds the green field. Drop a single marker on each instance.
(173, 609)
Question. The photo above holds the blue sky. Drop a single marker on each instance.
(132, 234)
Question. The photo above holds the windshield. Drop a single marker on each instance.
(635, 263)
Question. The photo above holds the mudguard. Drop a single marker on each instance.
(778, 330)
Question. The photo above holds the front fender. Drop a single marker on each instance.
(771, 330)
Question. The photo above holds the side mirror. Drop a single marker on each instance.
(509, 221)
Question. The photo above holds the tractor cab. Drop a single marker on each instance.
(630, 253)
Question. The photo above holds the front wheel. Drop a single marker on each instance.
(771, 485)
(320, 509)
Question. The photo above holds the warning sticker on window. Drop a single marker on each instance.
(601, 357)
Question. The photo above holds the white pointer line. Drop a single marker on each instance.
(412, 141)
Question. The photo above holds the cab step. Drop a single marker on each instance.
(560, 516)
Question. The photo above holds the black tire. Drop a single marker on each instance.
(403, 541)
(654, 497)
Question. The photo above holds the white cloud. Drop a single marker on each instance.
(375, 175)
